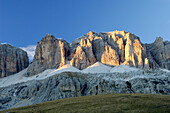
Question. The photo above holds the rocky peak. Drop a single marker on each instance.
(159, 53)
(84, 49)
(90, 33)
(159, 40)
(12, 60)
(50, 53)
(158, 43)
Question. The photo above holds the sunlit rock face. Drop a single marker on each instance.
(110, 56)
(133, 51)
(83, 55)
(50, 53)
(111, 48)
(12, 60)
(146, 66)
(117, 47)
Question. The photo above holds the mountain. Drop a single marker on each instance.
(111, 48)
(158, 53)
(50, 53)
(12, 60)
(112, 62)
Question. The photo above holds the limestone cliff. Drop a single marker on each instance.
(117, 47)
(110, 56)
(12, 60)
(50, 53)
(158, 53)
(111, 48)
(83, 55)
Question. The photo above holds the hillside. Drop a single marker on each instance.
(47, 87)
(110, 103)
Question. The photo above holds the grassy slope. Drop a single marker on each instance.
(116, 103)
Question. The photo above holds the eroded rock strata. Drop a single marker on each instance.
(70, 84)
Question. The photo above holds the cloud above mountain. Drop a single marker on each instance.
(30, 51)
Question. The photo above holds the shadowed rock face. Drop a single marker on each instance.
(111, 48)
(50, 53)
(158, 53)
(12, 60)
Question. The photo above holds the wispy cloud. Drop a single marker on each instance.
(6, 43)
(30, 51)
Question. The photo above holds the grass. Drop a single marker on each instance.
(107, 103)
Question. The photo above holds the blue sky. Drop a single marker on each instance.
(25, 22)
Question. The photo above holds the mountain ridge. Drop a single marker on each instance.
(126, 66)
(111, 48)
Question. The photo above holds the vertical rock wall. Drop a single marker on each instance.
(12, 60)
(50, 53)
(111, 48)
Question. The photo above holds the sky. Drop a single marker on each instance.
(24, 22)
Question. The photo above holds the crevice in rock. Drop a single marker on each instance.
(129, 85)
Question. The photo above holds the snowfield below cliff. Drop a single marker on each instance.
(67, 81)
(124, 68)
(98, 70)
(65, 68)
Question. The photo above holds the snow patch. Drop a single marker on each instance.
(19, 78)
(65, 68)
(165, 70)
(123, 68)
(97, 68)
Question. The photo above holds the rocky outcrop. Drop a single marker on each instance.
(110, 56)
(83, 55)
(117, 47)
(12, 60)
(50, 53)
(112, 48)
(70, 84)
(158, 53)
